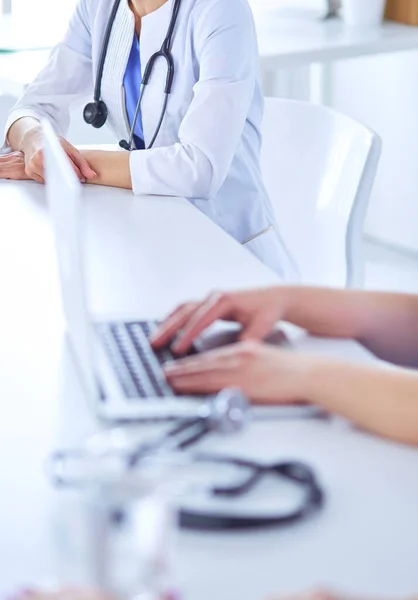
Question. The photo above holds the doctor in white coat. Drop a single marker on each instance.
(199, 139)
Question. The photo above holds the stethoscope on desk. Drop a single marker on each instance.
(292, 472)
(227, 413)
(95, 113)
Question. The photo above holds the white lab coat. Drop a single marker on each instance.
(209, 144)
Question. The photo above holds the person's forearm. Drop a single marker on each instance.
(383, 401)
(19, 129)
(112, 167)
(385, 323)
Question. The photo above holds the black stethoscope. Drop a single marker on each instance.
(95, 113)
(226, 413)
(294, 472)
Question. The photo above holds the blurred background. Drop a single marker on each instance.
(380, 90)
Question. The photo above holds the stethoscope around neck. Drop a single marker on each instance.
(95, 113)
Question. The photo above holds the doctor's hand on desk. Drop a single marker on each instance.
(12, 166)
(27, 162)
(101, 167)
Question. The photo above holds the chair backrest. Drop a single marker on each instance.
(319, 167)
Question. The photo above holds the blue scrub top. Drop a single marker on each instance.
(132, 84)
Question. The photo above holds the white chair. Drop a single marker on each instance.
(319, 167)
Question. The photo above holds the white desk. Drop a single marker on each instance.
(291, 51)
(160, 251)
(296, 42)
(288, 48)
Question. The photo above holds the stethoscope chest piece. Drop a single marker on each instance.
(95, 114)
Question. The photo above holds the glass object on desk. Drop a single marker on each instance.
(114, 524)
(361, 14)
(6, 7)
(333, 6)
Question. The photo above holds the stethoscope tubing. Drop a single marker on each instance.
(296, 472)
(164, 52)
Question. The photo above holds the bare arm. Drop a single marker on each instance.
(112, 167)
(94, 166)
(385, 323)
(384, 402)
(381, 400)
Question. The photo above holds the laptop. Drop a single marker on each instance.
(121, 374)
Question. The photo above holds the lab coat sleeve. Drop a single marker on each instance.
(66, 77)
(210, 133)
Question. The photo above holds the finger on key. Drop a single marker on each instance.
(173, 324)
(217, 306)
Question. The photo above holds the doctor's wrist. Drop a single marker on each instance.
(22, 133)
(31, 139)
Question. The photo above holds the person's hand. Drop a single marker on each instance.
(256, 310)
(264, 373)
(32, 148)
(12, 166)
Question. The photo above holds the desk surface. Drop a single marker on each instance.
(156, 252)
(283, 42)
(295, 42)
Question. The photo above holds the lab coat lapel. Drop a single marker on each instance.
(119, 48)
(153, 31)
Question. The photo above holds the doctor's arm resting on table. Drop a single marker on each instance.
(209, 133)
(381, 400)
(92, 166)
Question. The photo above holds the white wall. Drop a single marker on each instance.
(383, 93)
(6, 103)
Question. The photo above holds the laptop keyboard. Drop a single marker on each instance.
(136, 365)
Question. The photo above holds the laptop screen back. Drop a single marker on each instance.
(64, 194)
